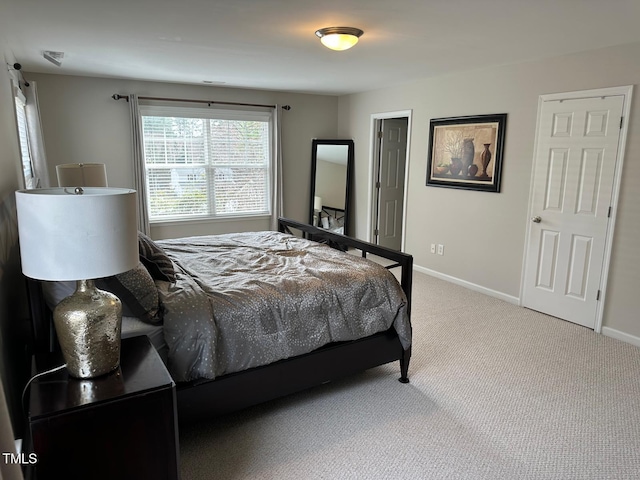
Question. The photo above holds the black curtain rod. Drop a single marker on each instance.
(18, 68)
(116, 96)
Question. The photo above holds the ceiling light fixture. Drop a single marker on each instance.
(339, 38)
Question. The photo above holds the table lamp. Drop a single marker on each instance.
(82, 175)
(317, 208)
(81, 234)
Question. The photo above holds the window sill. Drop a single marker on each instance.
(196, 221)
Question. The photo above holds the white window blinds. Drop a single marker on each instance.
(206, 164)
(23, 135)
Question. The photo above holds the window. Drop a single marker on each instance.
(206, 163)
(23, 134)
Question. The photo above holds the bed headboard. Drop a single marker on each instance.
(42, 330)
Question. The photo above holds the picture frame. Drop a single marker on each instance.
(466, 152)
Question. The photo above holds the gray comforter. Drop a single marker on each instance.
(249, 299)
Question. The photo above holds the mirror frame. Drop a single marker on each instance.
(350, 160)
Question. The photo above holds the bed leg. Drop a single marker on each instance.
(404, 366)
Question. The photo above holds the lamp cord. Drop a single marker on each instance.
(24, 391)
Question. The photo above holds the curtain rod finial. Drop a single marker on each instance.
(18, 67)
(286, 107)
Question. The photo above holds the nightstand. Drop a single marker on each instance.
(122, 425)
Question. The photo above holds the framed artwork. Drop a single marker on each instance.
(466, 152)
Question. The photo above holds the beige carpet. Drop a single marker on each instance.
(496, 392)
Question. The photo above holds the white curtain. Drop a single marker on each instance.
(36, 140)
(138, 164)
(276, 195)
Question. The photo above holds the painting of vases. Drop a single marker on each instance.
(466, 152)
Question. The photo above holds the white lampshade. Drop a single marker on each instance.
(67, 236)
(317, 203)
(82, 175)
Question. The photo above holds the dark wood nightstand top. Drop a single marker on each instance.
(141, 370)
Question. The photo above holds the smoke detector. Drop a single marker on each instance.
(53, 57)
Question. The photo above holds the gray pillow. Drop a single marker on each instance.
(154, 258)
(137, 290)
(55, 292)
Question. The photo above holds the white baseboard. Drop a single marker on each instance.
(469, 285)
(618, 335)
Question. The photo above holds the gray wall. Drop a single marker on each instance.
(484, 233)
(82, 123)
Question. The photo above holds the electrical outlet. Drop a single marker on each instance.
(433, 248)
(440, 249)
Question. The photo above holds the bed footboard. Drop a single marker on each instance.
(342, 242)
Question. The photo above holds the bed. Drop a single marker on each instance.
(220, 360)
(332, 219)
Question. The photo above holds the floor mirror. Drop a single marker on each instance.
(331, 174)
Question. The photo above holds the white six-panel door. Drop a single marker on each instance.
(574, 173)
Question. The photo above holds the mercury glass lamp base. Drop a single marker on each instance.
(88, 325)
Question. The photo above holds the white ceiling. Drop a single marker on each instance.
(270, 44)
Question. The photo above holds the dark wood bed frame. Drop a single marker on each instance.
(207, 398)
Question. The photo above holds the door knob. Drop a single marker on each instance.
(536, 219)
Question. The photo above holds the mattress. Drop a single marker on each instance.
(132, 327)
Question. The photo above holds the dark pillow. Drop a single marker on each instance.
(155, 259)
(137, 292)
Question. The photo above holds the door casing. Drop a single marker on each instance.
(625, 91)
